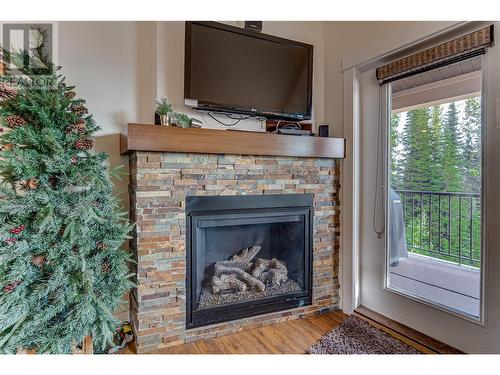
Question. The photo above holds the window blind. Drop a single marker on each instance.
(446, 53)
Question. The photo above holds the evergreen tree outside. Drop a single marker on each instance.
(451, 144)
(62, 269)
(441, 152)
(394, 141)
(416, 157)
(437, 183)
(471, 127)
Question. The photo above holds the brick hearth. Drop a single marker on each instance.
(159, 184)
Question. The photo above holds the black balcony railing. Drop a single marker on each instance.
(443, 225)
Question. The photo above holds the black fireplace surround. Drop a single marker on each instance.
(278, 227)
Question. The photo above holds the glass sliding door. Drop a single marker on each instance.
(434, 197)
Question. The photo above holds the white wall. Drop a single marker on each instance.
(99, 57)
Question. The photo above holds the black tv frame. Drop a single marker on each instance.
(220, 107)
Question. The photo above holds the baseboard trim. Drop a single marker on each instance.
(409, 336)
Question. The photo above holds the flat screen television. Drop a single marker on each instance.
(232, 70)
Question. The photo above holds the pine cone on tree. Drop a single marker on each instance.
(84, 144)
(61, 231)
(15, 121)
(53, 180)
(70, 94)
(79, 127)
(10, 287)
(38, 260)
(7, 147)
(33, 183)
(7, 92)
(74, 159)
(79, 109)
(30, 184)
(101, 246)
(106, 267)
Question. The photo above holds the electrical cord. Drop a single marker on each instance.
(236, 117)
(289, 125)
(232, 117)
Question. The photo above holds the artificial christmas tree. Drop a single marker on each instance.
(62, 269)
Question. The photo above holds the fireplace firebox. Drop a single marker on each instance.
(247, 255)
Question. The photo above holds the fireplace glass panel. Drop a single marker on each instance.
(247, 255)
(276, 268)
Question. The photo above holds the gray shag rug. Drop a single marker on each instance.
(355, 336)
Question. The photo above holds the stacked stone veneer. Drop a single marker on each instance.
(160, 183)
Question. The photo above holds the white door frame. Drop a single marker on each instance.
(350, 192)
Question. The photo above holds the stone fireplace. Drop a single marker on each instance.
(228, 242)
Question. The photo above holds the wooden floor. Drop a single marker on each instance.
(295, 336)
(292, 337)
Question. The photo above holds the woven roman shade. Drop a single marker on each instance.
(450, 52)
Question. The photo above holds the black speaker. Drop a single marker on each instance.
(253, 26)
(323, 130)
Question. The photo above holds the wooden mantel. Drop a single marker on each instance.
(146, 137)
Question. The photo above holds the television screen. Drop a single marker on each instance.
(229, 69)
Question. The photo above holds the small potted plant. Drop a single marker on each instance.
(181, 120)
(164, 110)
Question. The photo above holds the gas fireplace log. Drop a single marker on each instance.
(230, 264)
(262, 265)
(240, 274)
(246, 255)
(276, 276)
(227, 284)
(270, 271)
(243, 260)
